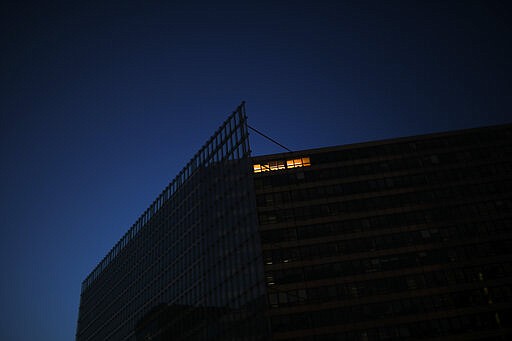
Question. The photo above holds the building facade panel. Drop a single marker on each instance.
(405, 238)
(191, 267)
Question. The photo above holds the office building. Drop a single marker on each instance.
(396, 239)
(399, 239)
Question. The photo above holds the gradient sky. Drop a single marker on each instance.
(103, 102)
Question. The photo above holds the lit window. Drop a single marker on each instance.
(281, 164)
(265, 167)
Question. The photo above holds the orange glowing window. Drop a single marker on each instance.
(281, 164)
(275, 165)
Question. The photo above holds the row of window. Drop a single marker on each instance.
(281, 164)
(465, 324)
(375, 311)
(381, 242)
(404, 200)
(298, 195)
(381, 286)
(381, 222)
(462, 171)
(386, 262)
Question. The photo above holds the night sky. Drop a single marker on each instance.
(102, 104)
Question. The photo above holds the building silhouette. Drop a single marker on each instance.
(398, 239)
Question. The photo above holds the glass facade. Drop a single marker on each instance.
(398, 239)
(190, 268)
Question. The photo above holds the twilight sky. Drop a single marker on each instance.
(103, 102)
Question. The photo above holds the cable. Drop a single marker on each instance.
(269, 138)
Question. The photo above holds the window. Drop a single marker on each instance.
(281, 164)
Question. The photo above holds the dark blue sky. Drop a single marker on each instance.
(102, 103)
